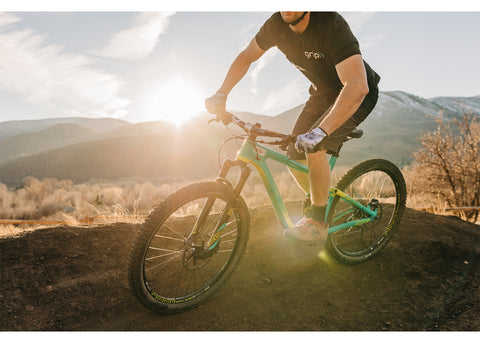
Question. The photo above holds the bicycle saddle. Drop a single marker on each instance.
(357, 133)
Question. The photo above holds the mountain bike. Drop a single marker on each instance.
(193, 240)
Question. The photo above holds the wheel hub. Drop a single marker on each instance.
(197, 256)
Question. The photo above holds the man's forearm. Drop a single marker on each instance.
(237, 71)
(347, 103)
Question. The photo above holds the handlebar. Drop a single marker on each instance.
(255, 130)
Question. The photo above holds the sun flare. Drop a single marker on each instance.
(175, 102)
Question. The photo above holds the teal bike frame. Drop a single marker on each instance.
(256, 154)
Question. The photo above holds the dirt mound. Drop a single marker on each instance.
(74, 278)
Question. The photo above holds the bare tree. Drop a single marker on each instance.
(448, 164)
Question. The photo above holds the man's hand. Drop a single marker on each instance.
(308, 141)
(216, 103)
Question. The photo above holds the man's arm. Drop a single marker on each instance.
(353, 76)
(241, 65)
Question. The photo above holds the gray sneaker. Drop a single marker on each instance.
(308, 230)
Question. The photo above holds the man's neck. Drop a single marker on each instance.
(301, 26)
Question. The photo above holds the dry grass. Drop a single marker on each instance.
(431, 202)
(127, 201)
(52, 199)
(130, 201)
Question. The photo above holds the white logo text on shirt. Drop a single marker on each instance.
(315, 55)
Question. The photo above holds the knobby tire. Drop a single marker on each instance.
(179, 264)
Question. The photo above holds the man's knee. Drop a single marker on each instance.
(318, 155)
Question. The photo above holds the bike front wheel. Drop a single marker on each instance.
(379, 185)
(188, 247)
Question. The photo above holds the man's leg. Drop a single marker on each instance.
(319, 177)
(319, 170)
(312, 227)
(315, 109)
(301, 178)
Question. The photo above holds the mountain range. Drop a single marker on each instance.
(81, 149)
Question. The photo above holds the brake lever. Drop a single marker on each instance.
(212, 120)
(217, 119)
(287, 142)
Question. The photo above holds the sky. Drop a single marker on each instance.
(139, 63)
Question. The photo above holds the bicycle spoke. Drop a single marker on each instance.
(171, 238)
(231, 222)
(346, 232)
(361, 241)
(161, 249)
(230, 240)
(158, 256)
(229, 233)
(178, 284)
(161, 264)
(175, 232)
(380, 192)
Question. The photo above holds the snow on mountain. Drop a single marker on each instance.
(459, 104)
(395, 101)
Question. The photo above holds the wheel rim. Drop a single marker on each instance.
(378, 190)
(172, 272)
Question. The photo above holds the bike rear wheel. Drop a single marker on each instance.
(377, 184)
(175, 263)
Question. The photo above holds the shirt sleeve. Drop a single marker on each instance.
(268, 35)
(343, 43)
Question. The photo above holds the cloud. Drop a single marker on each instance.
(372, 39)
(261, 64)
(249, 29)
(357, 20)
(138, 41)
(246, 34)
(7, 19)
(45, 75)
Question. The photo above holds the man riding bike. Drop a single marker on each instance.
(344, 91)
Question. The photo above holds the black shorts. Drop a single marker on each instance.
(316, 108)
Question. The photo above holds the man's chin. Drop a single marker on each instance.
(288, 18)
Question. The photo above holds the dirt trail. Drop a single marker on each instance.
(74, 278)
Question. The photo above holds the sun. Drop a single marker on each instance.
(175, 101)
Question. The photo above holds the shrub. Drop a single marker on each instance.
(447, 167)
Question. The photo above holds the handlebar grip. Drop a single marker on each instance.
(225, 117)
(252, 129)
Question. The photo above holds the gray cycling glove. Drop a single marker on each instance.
(307, 141)
(216, 103)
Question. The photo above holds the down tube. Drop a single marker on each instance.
(257, 155)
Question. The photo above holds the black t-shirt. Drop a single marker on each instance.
(326, 42)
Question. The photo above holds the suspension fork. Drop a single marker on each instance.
(207, 207)
(245, 173)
